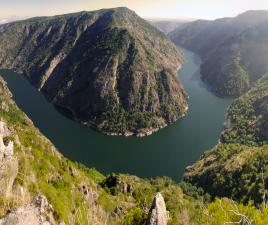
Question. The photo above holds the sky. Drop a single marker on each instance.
(196, 9)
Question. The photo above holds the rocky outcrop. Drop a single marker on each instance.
(8, 163)
(158, 214)
(108, 69)
(39, 212)
(90, 196)
(115, 182)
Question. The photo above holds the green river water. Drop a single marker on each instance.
(165, 153)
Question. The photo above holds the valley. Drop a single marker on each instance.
(98, 126)
(171, 147)
(234, 50)
(110, 69)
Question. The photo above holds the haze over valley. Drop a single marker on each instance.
(133, 112)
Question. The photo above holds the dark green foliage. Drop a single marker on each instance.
(226, 77)
(120, 120)
(247, 119)
(234, 171)
(193, 191)
(102, 67)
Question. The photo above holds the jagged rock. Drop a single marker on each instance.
(8, 173)
(126, 188)
(114, 181)
(89, 195)
(8, 163)
(158, 214)
(6, 149)
(39, 212)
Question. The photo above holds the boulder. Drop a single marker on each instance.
(39, 212)
(8, 163)
(158, 214)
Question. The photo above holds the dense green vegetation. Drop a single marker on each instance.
(235, 171)
(235, 80)
(118, 120)
(238, 168)
(43, 170)
(94, 64)
(247, 118)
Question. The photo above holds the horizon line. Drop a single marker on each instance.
(13, 18)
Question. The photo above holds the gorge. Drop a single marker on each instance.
(172, 147)
(111, 70)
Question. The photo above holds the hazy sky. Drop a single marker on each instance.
(207, 9)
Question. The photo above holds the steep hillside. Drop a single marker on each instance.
(234, 50)
(235, 171)
(237, 168)
(247, 118)
(39, 185)
(109, 69)
(30, 166)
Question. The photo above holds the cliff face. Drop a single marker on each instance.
(234, 50)
(109, 69)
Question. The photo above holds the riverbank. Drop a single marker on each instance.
(164, 153)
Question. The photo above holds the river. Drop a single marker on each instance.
(165, 153)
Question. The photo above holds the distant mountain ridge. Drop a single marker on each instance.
(109, 68)
(234, 50)
(168, 26)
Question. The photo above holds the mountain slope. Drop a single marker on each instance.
(237, 168)
(235, 171)
(78, 195)
(234, 50)
(168, 26)
(247, 118)
(109, 69)
(69, 193)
